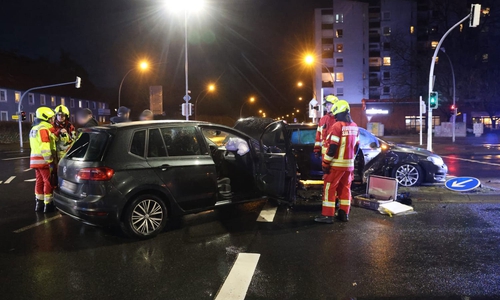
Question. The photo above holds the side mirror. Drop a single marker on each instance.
(373, 145)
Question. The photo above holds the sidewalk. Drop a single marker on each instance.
(488, 144)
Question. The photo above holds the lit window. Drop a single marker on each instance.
(80, 103)
(53, 100)
(340, 48)
(340, 62)
(387, 30)
(326, 77)
(3, 95)
(31, 99)
(485, 57)
(339, 33)
(412, 29)
(486, 11)
(63, 101)
(17, 96)
(461, 27)
(339, 18)
(387, 61)
(339, 77)
(374, 62)
(42, 100)
(340, 91)
(434, 44)
(437, 59)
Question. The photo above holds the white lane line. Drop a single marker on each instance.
(237, 282)
(37, 224)
(9, 180)
(28, 170)
(14, 158)
(31, 180)
(474, 161)
(267, 213)
(1, 182)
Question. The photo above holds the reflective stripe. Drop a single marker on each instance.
(342, 148)
(328, 204)
(342, 163)
(327, 190)
(345, 202)
(328, 158)
(334, 138)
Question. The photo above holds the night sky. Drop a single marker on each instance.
(252, 47)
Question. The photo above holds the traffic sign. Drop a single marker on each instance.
(462, 184)
(186, 98)
(15, 117)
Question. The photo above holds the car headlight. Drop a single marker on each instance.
(438, 161)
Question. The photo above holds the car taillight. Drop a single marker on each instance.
(95, 174)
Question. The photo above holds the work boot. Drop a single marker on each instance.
(39, 205)
(324, 219)
(343, 216)
(49, 207)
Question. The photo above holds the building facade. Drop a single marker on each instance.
(9, 101)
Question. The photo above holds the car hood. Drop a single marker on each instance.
(410, 149)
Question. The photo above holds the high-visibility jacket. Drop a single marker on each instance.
(346, 137)
(43, 145)
(323, 126)
(64, 140)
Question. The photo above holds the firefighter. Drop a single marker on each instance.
(43, 158)
(64, 131)
(324, 125)
(338, 164)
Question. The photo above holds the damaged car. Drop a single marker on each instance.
(139, 174)
(411, 166)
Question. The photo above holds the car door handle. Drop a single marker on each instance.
(164, 167)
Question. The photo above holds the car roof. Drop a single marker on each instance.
(302, 125)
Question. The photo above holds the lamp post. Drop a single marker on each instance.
(300, 84)
(210, 88)
(143, 65)
(186, 6)
(309, 60)
(251, 100)
(454, 99)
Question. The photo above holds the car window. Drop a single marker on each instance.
(304, 136)
(156, 147)
(138, 143)
(366, 138)
(181, 141)
(88, 147)
(217, 137)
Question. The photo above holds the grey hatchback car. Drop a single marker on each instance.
(139, 174)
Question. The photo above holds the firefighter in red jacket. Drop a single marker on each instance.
(43, 157)
(324, 125)
(64, 131)
(342, 142)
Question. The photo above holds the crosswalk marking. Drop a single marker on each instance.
(9, 180)
(236, 285)
(31, 180)
(14, 158)
(28, 170)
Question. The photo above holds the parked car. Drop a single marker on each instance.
(411, 166)
(139, 174)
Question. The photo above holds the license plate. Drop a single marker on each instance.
(68, 187)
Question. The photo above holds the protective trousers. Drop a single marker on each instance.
(337, 185)
(43, 186)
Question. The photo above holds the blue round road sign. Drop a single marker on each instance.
(462, 184)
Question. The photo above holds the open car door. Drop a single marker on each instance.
(277, 171)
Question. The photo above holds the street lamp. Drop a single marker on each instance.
(186, 6)
(454, 104)
(209, 89)
(251, 100)
(300, 98)
(309, 60)
(300, 84)
(143, 65)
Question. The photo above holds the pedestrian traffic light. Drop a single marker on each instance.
(433, 100)
(23, 116)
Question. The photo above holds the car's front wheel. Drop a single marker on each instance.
(145, 217)
(408, 175)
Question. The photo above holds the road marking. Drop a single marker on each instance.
(28, 170)
(30, 180)
(1, 182)
(9, 180)
(14, 158)
(236, 285)
(267, 213)
(37, 224)
(474, 161)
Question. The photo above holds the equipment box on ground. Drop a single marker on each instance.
(379, 190)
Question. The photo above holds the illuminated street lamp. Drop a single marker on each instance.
(309, 60)
(143, 65)
(185, 6)
(300, 98)
(251, 100)
(300, 84)
(210, 88)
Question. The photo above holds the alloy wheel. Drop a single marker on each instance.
(147, 216)
(407, 175)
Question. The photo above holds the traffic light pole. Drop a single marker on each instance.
(76, 82)
(431, 82)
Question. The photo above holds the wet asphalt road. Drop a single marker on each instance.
(445, 251)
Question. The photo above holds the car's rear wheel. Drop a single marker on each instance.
(408, 175)
(145, 217)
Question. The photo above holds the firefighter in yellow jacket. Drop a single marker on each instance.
(43, 158)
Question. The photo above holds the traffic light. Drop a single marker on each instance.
(78, 82)
(433, 100)
(453, 109)
(23, 116)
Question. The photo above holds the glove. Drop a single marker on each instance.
(317, 151)
(325, 167)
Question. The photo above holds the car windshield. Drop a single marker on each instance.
(89, 147)
(303, 136)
